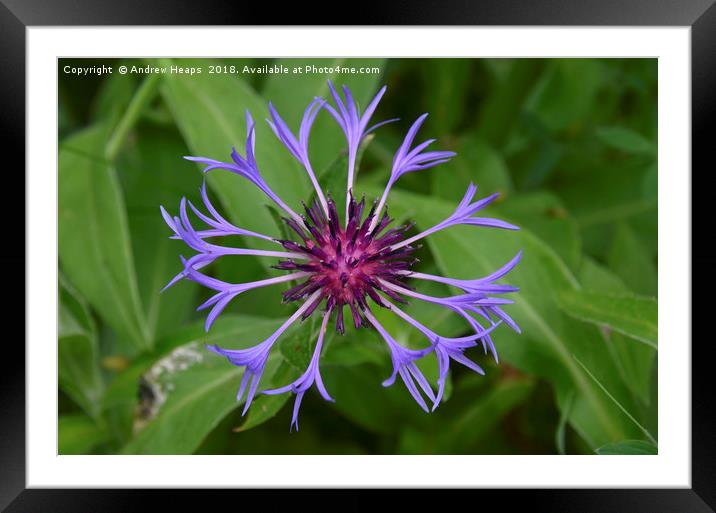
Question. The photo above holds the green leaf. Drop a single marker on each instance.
(210, 113)
(120, 400)
(620, 198)
(635, 361)
(74, 314)
(630, 260)
(541, 152)
(362, 399)
(114, 96)
(635, 317)
(559, 435)
(187, 392)
(549, 338)
(486, 412)
(595, 277)
(353, 349)
(94, 243)
(152, 175)
(629, 447)
(615, 401)
(78, 434)
(624, 139)
(476, 161)
(544, 214)
(650, 183)
(78, 365)
(333, 180)
(568, 92)
(141, 99)
(501, 109)
(446, 98)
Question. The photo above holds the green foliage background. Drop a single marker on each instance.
(569, 143)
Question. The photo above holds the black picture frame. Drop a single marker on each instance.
(17, 15)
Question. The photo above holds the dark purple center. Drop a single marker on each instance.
(346, 265)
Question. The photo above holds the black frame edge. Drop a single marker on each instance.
(553, 501)
(372, 12)
(12, 135)
(703, 122)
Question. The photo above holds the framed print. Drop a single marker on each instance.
(445, 256)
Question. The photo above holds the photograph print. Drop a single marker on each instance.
(357, 256)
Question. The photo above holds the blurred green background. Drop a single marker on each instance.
(569, 143)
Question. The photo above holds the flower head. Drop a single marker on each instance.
(345, 268)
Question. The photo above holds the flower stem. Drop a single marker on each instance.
(141, 98)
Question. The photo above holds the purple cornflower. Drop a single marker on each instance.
(351, 266)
